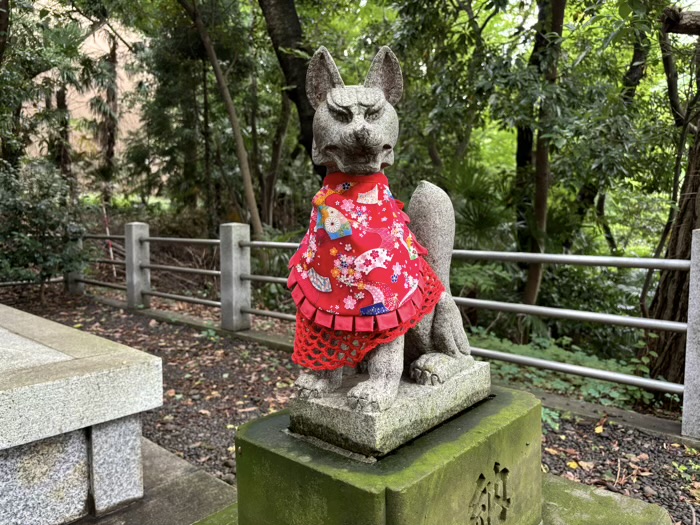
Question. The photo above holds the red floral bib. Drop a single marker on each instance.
(358, 278)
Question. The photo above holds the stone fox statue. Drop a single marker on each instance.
(368, 289)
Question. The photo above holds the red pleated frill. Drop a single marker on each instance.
(326, 341)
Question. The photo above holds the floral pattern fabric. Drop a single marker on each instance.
(358, 269)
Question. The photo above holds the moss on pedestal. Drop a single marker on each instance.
(482, 463)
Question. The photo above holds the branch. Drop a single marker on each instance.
(675, 21)
(96, 24)
(679, 116)
(636, 69)
(433, 152)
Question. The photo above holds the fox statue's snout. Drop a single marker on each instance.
(355, 127)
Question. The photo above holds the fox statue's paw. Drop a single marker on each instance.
(373, 395)
(436, 368)
(314, 384)
(447, 349)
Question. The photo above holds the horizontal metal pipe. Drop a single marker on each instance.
(209, 242)
(181, 269)
(574, 315)
(575, 260)
(270, 244)
(30, 283)
(115, 262)
(104, 237)
(103, 284)
(547, 258)
(183, 298)
(593, 373)
(264, 279)
(268, 313)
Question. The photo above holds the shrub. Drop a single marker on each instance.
(36, 224)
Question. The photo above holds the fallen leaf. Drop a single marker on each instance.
(572, 465)
(599, 429)
(586, 465)
(552, 451)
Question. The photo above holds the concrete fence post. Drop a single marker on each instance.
(235, 261)
(691, 395)
(138, 253)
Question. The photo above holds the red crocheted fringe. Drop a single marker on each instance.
(320, 348)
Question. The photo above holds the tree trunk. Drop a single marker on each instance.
(4, 27)
(61, 148)
(585, 199)
(241, 151)
(273, 172)
(534, 271)
(191, 180)
(285, 31)
(532, 220)
(107, 131)
(603, 221)
(671, 298)
(213, 216)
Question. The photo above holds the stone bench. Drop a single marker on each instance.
(70, 429)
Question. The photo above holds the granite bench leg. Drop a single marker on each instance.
(116, 472)
(45, 482)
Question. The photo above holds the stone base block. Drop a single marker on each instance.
(480, 466)
(570, 503)
(417, 409)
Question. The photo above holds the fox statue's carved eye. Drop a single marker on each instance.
(373, 114)
(341, 115)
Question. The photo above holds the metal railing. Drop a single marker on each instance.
(235, 299)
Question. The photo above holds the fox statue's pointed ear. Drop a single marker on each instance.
(385, 74)
(321, 77)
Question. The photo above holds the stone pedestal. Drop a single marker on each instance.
(70, 429)
(482, 466)
(417, 409)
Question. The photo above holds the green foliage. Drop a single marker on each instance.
(36, 225)
(274, 262)
(592, 390)
(688, 471)
(550, 419)
(210, 334)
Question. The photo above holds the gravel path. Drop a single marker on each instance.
(213, 384)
